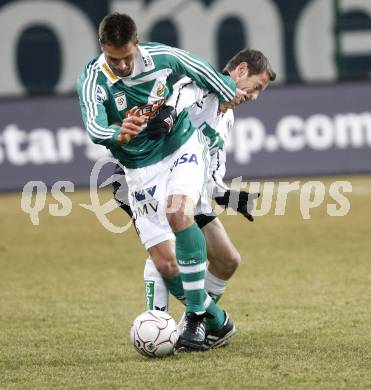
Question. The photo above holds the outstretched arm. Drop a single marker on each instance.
(183, 62)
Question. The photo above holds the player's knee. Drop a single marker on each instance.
(180, 219)
(180, 212)
(232, 262)
(167, 269)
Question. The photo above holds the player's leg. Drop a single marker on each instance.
(185, 188)
(222, 252)
(164, 260)
(223, 261)
(192, 335)
(146, 187)
(156, 292)
(191, 257)
(155, 289)
(223, 258)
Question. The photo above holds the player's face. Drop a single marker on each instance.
(121, 60)
(253, 85)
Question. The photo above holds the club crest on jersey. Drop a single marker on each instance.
(100, 94)
(120, 101)
(160, 89)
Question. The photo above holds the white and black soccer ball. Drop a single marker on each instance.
(154, 333)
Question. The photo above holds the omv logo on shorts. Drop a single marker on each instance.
(185, 158)
(143, 194)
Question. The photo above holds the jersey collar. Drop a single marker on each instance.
(143, 63)
(102, 63)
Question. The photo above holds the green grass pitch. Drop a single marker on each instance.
(301, 301)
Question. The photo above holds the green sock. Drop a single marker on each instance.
(191, 256)
(175, 286)
(215, 297)
(218, 314)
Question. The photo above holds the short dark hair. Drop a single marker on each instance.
(117, 30)
(257, 61)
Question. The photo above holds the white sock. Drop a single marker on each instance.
(214, 285)
(157, 294)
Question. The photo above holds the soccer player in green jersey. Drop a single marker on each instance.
(166, 161)
(252, 72)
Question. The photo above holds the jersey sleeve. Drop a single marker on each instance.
(183, 62)
(215, 182)
(225, 124)
(92, 96)
(185, 94)
(216, 185)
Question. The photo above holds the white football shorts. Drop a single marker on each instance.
(184, 172)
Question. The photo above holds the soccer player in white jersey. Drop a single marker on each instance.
(119, 91)
(252, 73)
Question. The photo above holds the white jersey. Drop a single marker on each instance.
(203, 109)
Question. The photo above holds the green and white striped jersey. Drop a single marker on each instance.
(203, 110)
(106, 99)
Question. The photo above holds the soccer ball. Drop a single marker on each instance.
(154, 333)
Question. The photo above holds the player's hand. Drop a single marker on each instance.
(246, 204)
(160, 125)
(130, 128)
(240, 201)
(240, 97)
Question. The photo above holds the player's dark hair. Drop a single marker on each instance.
(256, 60)
(117, 30)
